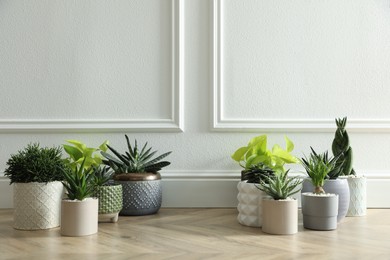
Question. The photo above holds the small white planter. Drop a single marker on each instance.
(249, 204)
(37, 205)
(79, 218)
(280, 217)
(358, 196)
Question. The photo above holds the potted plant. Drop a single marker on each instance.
(357, 184)
(79, 152)
(257, 162)
(108, 194)
(36, 173)
(79, 211)
(280, 212)
(138, 173)
(319, 209)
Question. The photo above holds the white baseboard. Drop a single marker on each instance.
(217, 189)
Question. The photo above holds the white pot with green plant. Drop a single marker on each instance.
(319, 209)
(357, 184)
(258, 162)
(138, 173)
(280, 211)
(36, 174)
(79, 211)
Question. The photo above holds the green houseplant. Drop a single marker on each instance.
(258, 162)
(280, 212)
(79, 212)
(357, 184)
(137, 170)
(319, 209)
(36, 173)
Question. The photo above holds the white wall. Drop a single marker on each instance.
(199, 78)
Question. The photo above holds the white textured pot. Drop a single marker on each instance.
(37, 205)
(358, 196)
(249, 204)
(79, 217)
(280, 217)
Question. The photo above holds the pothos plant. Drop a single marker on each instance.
(257, 152)
(79, 152)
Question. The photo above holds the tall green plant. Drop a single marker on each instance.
(280, 186)
(256, 152)
(36, 164)
(79, 152)
(342, 149)
(317, 167)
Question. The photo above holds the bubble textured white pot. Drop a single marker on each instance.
(249, 204)
(37, 205)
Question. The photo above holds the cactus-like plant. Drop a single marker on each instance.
(256, 172)
(279, 186)
(135, 160)
(317, 167)
(342, 149)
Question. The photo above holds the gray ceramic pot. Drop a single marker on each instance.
(319, 212)
(142, 193)
(337, 186)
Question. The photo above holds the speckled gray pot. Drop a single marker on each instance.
(142, 196)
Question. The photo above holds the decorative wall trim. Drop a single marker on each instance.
(173, 124)
(221, 123)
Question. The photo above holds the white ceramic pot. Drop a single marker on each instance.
(249, 204)
(358, 196)
(37, 205)
(79, 218)
(280, 217)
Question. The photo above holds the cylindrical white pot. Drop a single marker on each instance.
(79, 217)
(358, 196)
(280, 217)
(249, 204)
(37, 205)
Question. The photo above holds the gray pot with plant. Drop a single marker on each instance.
(138, 173)
(36, 174)
(257, 162)
(319, 209)
(280, 211)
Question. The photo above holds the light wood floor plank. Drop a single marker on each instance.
(200, 234)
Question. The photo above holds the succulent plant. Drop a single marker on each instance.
(342, 149)
(317, 167)
(101, 175)
(256, 172)
(135, 160)
(280, 186)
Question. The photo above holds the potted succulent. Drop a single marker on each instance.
(319, 209)
(79, 211)
(36, 173)
(138, 173)
(357, 184)
(257, 162)
(109, 195)
(280, 212)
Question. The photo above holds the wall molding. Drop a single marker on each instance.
(221, 123)
(175, 122)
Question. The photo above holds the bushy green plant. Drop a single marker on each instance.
(317, 167)
(79, 152)
(79, 182)
(280, 186)
(135, 160)
(257, 172)
(256, 152)
(36, 164)
(342, 149)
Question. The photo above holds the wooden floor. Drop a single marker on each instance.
(200, 234)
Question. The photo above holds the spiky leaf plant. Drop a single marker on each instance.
(341, 148)
(256, 172)
(135, 160)
(280, 186)
(79, 183)
(36, 164)
(101, 175)
(317, 167)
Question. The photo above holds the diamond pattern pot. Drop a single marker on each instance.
(249, 204)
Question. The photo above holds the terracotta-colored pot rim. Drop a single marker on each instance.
(147, 176)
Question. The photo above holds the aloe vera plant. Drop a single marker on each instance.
(280, 186)
(342, 149)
